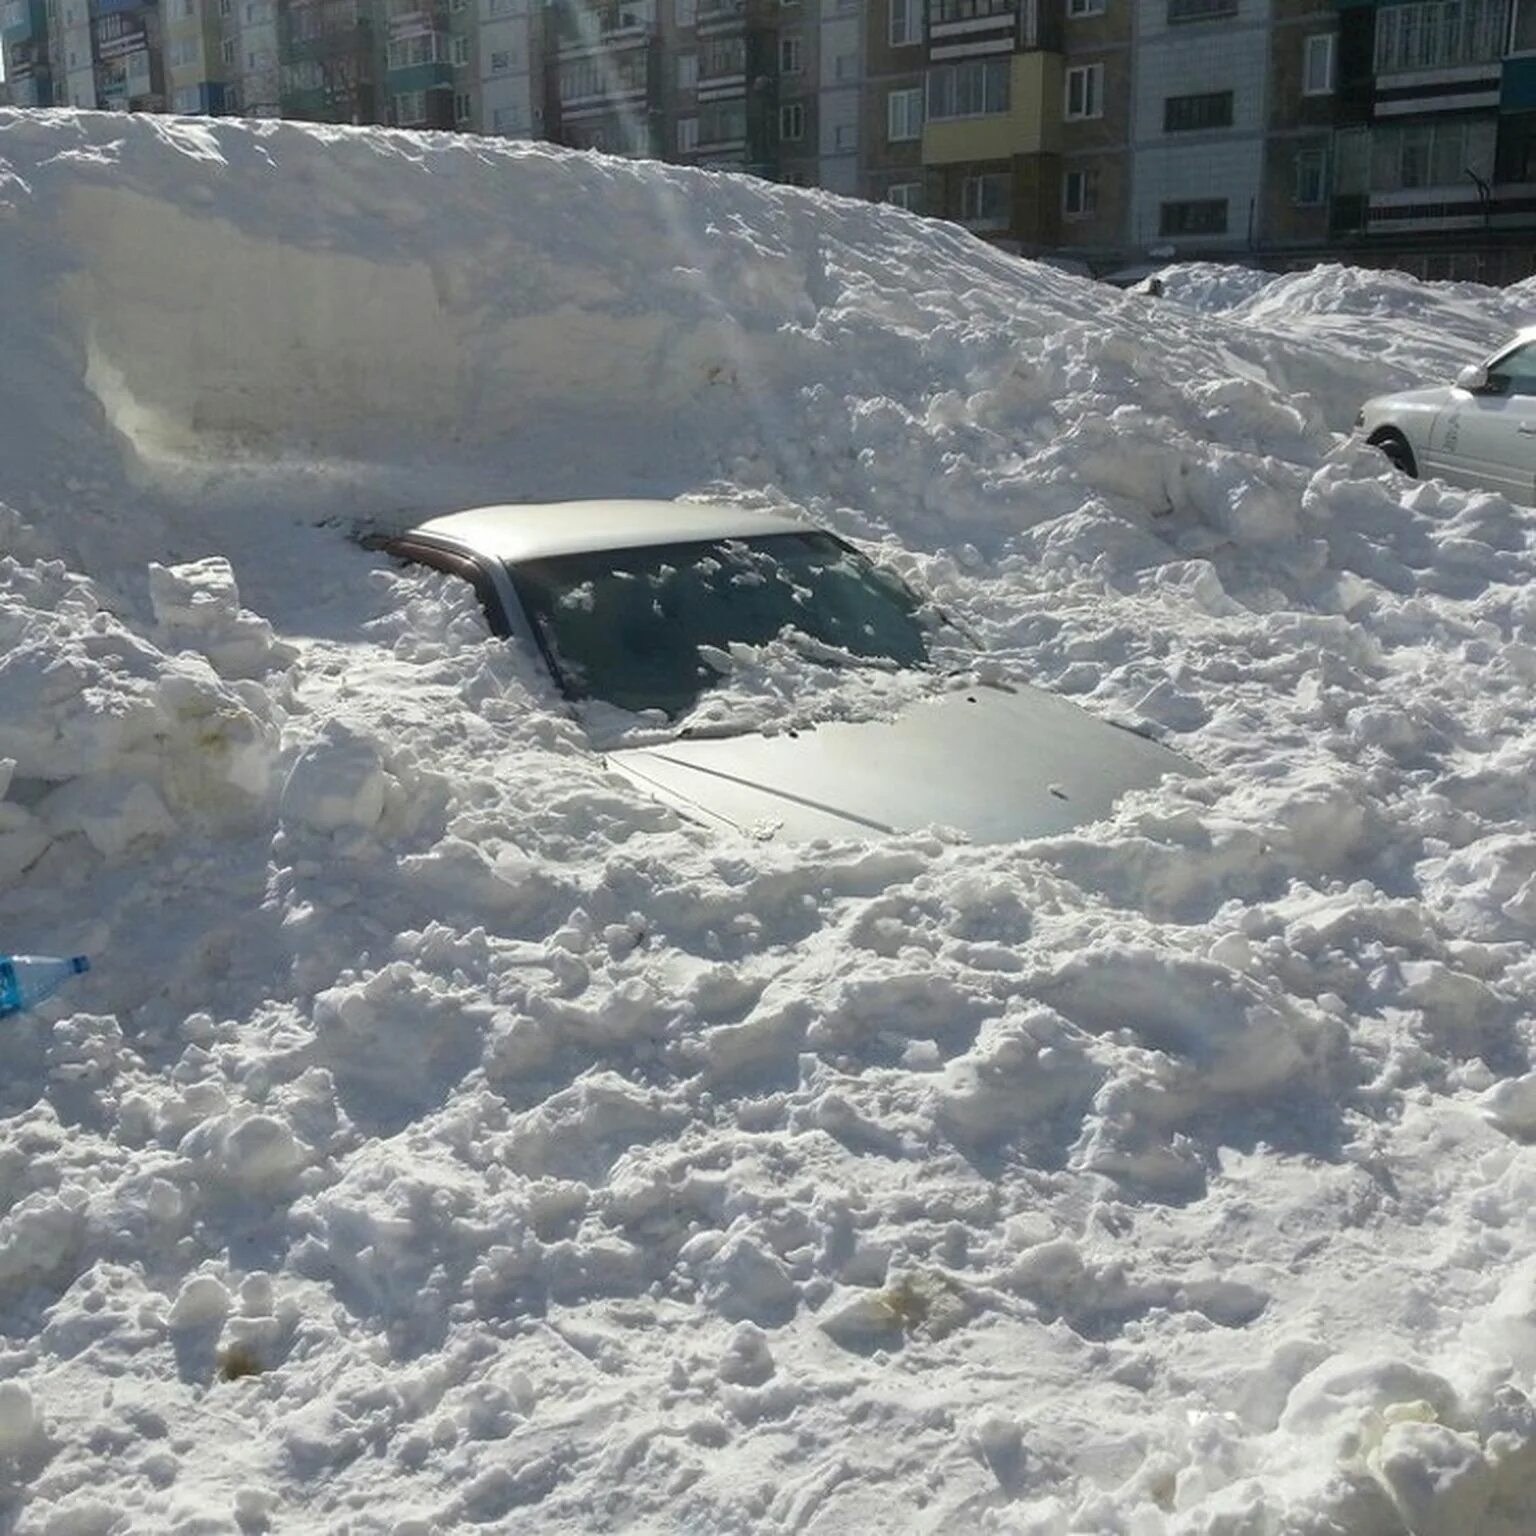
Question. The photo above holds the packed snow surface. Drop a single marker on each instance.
(448, 1137)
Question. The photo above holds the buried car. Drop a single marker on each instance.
(634, 605)
(1479, 432)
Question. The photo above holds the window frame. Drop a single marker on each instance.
(1311, 156)
(1088, 200)
(911, 14)
(907, 188)
(991, 68)
(1092, 78)
(1165, 228)
(792, 112)
(1196, 105)
(980, 219)
(1330, 41)
(899, 103)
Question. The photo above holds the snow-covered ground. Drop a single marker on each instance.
(447, 1137)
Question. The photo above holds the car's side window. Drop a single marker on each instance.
(1515, 372)
(452, 564)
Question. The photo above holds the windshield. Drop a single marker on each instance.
(634, 627)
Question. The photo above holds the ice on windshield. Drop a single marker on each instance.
(647, 629)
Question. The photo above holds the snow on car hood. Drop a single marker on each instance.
(995, 763)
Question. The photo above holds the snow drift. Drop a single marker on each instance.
(447, 1135)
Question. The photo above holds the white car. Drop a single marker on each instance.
(1478, 432)
(627, 602)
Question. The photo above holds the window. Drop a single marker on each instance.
(1431, 154)
(687, 71)
(1085, 91)
(984, 200)
(687, 134)
(1317, 65)
(1438, 33)
(904, 115)
(722, 122)
(1080, 193)
(227, 50)
(506, 120)
(1204, 216)
(582, 79)
(186, 9)
(258, 58)
(458, 5)
(906, 23)
(846, 67)
(791, 122)
(686, 12)
(257, 13)
(1199, 10)
(789, 55)
(185, 51)
(501, 62)
(1311, 178)
(1029, 23)
(905, 194)
(463, 106)
(1189, 114)
(461, 48)
(188, 99)
(411, 108)
(1515, 372)
(723, 56)
(971, 88)
(1077, 8)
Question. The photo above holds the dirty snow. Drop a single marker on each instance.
(449, 1137)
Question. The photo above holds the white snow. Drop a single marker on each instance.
(446, 1136)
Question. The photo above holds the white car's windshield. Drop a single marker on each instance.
(634, 627)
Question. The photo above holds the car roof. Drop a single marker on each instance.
(514, 532)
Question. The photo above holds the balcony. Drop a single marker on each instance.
(957, 28)
(21, 19)
(128, 40)
(609, 26)
(718, 14)
(31, 90)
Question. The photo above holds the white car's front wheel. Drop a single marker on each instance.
(1395, 446)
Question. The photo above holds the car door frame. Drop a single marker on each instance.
(492, 582)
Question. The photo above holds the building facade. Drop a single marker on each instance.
(1110, 132)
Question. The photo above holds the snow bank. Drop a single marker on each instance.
(446, 1135)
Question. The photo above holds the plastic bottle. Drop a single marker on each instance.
(26, 980)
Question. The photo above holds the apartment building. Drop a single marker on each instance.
(24, 35)
(1098, 39)
(1198, 125)
(890, 122)
(1115, 132)
(1299, 121)
(1435, 99)
(994, 95)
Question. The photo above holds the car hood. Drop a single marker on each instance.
(995, 763)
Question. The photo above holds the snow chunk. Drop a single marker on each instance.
(337, 783)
